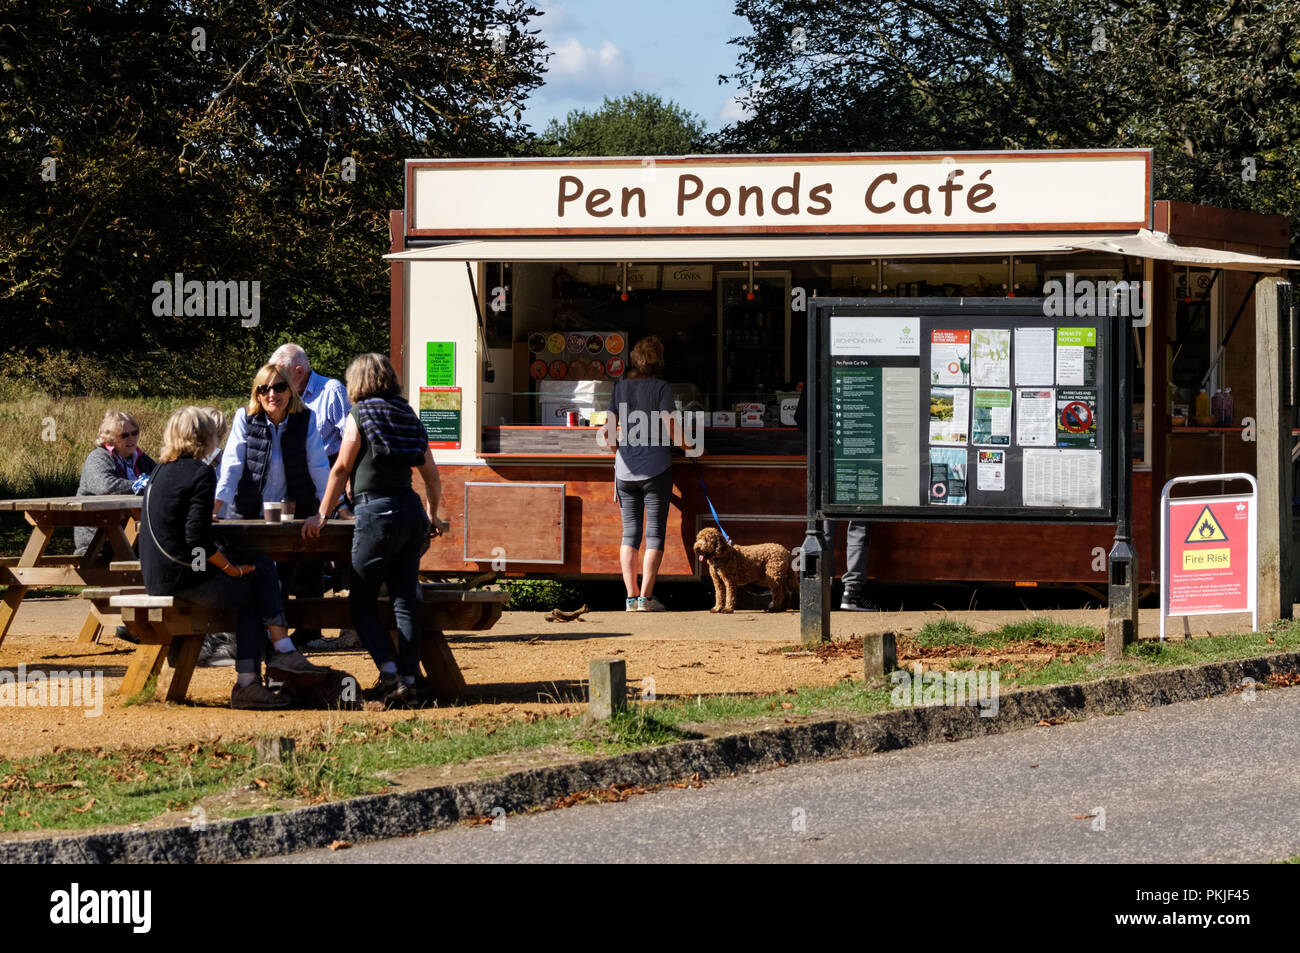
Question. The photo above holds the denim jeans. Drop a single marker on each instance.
(256, 596)
(391, 534)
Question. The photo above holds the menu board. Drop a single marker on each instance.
(577, 355)
(983, 409)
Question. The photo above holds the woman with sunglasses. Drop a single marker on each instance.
(274, 454)
(114, 466)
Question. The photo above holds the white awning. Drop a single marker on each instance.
(741, 248)
(1140, 244)
(1148, 244)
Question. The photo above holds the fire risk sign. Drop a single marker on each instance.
(1209, 554)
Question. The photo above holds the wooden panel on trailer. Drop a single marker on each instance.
(521, 522)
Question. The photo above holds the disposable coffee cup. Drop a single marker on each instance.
(286, 511)
(271, 512)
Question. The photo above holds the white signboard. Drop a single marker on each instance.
(767, 194)
(888, 337)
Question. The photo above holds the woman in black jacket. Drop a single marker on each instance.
(178, 557)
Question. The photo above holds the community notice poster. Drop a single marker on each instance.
(1034, 358)
(949, 415)
(1076, 417)
(440, 414)
(1076, 357)
(1062, 478)
(440, 363)
(991, 417)
(949, 357)
(991, 471)
(902, 436)
(855, 428)
(948, 476)
(991, 357)
(1035, 418)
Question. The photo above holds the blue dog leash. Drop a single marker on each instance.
(713, 511)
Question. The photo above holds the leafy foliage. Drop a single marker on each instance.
(217, 139)
(641, 124)
(1207, 85)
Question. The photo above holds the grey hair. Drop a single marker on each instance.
(290, 355)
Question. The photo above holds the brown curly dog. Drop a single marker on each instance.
(730, 566)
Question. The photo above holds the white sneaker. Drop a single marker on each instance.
(650, 605)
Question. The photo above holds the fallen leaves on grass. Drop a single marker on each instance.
(84, 808)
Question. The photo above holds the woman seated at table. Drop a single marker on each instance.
(178, 557)
(112, 467)
(383, 440)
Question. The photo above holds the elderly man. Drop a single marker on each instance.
(324, 396)
(327, 398)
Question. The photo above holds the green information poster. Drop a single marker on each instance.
(856, 432)
(440, 363)
(440, 414)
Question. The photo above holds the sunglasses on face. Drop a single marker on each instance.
(127, 434)
(279, 387)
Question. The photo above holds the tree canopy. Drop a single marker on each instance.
(227, 141)
(1212, 86)
(640, 124)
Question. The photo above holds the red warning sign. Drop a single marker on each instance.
(1211, 550)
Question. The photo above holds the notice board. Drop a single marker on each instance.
(956, 409)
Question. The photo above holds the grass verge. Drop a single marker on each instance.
(72, 790)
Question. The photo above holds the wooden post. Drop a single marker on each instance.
(607, 694)
(1274, 404)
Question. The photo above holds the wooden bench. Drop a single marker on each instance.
(167, 627)
(102, 614)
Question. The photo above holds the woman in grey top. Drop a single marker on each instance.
(113, 466)
(640, 429)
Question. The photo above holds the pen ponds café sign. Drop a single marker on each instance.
(961, 192)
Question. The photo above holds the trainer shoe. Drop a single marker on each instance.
(650, 605)
(392, 691)
(631, 603)
(348, 641)
(257, 697)
(857, 602)
(292, 667)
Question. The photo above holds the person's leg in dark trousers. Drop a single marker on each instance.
(855, 575)
(372, 542)
(403, 580)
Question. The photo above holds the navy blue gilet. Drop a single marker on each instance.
(257, 462)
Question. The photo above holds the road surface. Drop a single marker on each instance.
(1208, 781)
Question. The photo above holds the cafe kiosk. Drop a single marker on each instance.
(519, 286)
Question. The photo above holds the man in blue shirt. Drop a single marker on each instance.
(327, 398)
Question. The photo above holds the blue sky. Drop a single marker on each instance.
(674, 48)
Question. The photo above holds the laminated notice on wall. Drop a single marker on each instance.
(991, 357)
(1076, 417)
(1062, 478)
(991, 473)
(949, 357)
(1035, 418)
(948, 476)
(949, 414)
(1076, 356)
(991, 417)
(1034, 358)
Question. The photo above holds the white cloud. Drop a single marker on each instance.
(576, 66)
(732, 111)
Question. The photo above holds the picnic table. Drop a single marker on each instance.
(35, 569)
(167, 629)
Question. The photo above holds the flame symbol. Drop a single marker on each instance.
(1206, 529)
